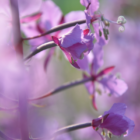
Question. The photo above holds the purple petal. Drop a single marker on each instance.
(88, 40)
(30, 29)
(28, 7)
(30, 18)
(51, 15)
(77, 42)
(72, 16)
(85, 2)
(83, 64)
(70, 59)
(131, 126)
(89, 85)
(114, 85)
(98, 50)
(88, 19)
(100, 39)
(72, 37)
(117, 108)
(115, 123)
(48, 57)
(94, 5)
(77, 50)
(98, 57)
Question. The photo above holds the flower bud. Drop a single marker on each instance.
(121, 29)
(121, 20)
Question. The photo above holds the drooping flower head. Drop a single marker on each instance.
(114, 121)
(75, 44)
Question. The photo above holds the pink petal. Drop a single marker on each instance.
(116, 124)
(106, 71)
(72, 37)
(48, 57)
(70, 59)
(93, 102)
(83, 64)
(56, 41)
(89, 86)
(118, 108)
(51, 15)
(29, 7)
(114, 85)
(70, 17)
(30, 18)
(86, 31)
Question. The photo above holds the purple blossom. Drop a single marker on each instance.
(26, 10)
(75, 44)
(91, 5)
(110, 84)
(115, 121)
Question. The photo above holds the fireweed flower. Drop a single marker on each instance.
(45, 23)
(18, 81)
(109, 83)
(92, 6)
(114, 121)
(26, 9)
(75, 44)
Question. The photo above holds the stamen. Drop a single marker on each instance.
(100, 33)
(106, 23)
(103, 133)
(109, 135)
(105, 33)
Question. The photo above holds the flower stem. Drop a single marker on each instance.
(19, 50)
(16, 27)
(57, 28)
(41, 48)
(71, 128)
(63, 87)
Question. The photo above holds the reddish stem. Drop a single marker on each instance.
(63, 87)
(16, 28)
(19, 50)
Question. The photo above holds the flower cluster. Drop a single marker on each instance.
(81, 36)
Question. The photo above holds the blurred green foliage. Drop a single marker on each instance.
(69, 5)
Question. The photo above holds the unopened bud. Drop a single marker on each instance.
(121, 20)
(121, 29)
